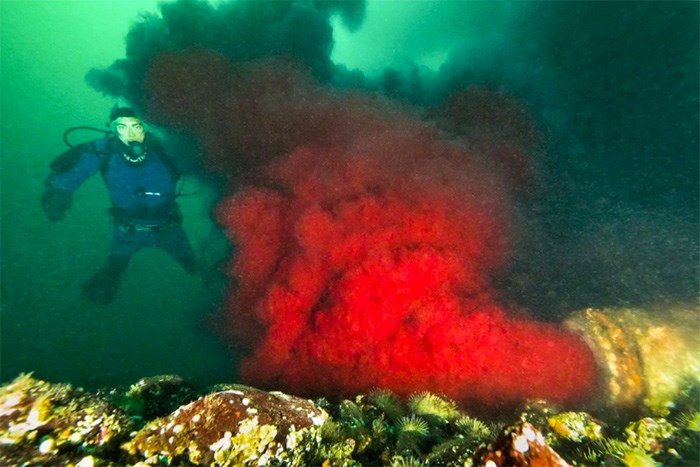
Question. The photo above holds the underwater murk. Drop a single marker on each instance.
(390, 249)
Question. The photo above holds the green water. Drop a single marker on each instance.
(157, 323)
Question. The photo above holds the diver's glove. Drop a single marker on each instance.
(55, 203)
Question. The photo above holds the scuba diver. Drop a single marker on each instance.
(141, 181)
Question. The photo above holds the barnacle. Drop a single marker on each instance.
(576, 426)
(40, 411)
(648, 433)
(432, 405)
(254, 443)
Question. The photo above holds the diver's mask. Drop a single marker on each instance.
(128, 129)
(131, 132)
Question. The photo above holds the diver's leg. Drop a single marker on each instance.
(103, 285)
(174, 241)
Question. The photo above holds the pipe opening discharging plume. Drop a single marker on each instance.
(365, 240)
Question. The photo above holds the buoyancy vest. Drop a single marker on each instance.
(144, 192)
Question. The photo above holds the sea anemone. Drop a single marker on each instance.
(588, 455)
(472, 428)
(414, 425)
(629, 456)
(330, 431)
(412, 431)
(351, 412)
(387, 402)
(638, 458)
(381, 431)
(431, 405)
(455, 451)
(689, 420)
(406, 461)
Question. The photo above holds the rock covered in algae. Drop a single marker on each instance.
(238, 426)
(43, 423)
(519, 444)
(153, 396)
(576, 426)
(40, 424)
(649, 433)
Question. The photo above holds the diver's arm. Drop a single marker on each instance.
(68, 172)
(56, 203)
